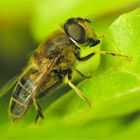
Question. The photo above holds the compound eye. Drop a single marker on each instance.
(76, 32)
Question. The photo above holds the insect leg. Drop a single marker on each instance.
(103, 53)
(79, 93)
(86, 57)
(81, 74)
(113, 54)
(38, 110)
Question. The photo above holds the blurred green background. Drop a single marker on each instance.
(26, 23)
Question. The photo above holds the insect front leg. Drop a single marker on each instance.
(113, 54)
(79, 93)
(85, 58)
(38, 110)
(103, 53)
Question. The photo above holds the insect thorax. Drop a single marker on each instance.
(57, 45)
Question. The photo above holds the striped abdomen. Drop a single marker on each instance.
(21, 98)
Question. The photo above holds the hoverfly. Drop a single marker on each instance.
(53, 61)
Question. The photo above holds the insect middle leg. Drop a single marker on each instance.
(79, 93)
(38, 110)
(82, 74)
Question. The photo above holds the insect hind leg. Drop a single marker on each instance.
(38, 110)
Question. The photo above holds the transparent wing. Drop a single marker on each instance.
(11, 83)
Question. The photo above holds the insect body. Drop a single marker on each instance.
(51, 62)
